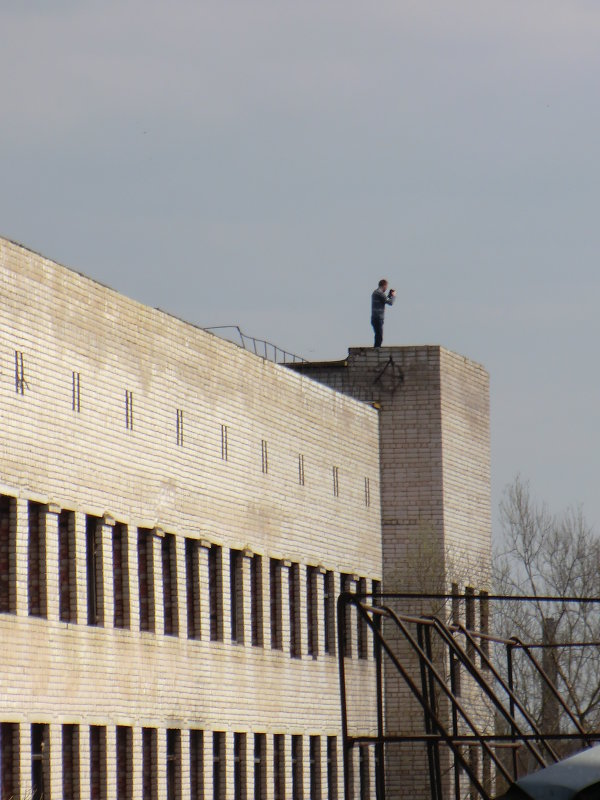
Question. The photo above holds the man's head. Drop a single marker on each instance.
(383, 284)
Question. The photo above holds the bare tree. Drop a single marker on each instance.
(544, 554)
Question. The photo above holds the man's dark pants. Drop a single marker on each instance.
(378, 328)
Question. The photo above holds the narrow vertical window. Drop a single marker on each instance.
(76, 392)
(275, 603)
(9, 760)
(279, 766)
(120, 575)
(256, 601)
(179, 427)
(315, 767)
(169, 574)
(97, 762)
(40, 759)
(36, 560)
(367, 492)
(149, 764)
(265, 456)
(7, 554)
(93, 560)
(364, 771)
(239, 766)
(124, 762)
(301, 469)
(215, 593)
(329, 614)
(20, 382)
(236, 595)
(260, 766)
(173, 764)
(66, 566)
(192, 581)
(197, 765)
(128, 409)
(312, 618)
(218, 765)
(224, 442)
(295, 622)
(146, 579)
(297, 787)
(335, 471)
(362, 629)
(332, 768)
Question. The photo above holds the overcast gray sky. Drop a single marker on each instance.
(265, 163)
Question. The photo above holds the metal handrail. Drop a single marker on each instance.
(260, 347)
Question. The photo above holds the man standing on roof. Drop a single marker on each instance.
(379, 300)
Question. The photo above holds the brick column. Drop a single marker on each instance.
(134, 580)
(319, 599)
(265, 588)
(351, 620)
(248, 790)
(25, 758)
(186, 786)
(269, 772)
(182, 596)
(302, 598)
(226, 594)
(21, 563)
(204, 591)
(51, 567)
(285, 610)
(85, 782)
(55, 762)
(111, 762)
(245, 587)
(161, 763)
(208, 763)
(306, 766)
(157, 609)
(105, 534)
(136, 760)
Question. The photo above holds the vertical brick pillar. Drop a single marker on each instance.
(265, 588)
(302, 601)
(245, 587)
(50, 524)
(285, 615)
(161, 763)
(186, 787)
(323, 768)
(85, 778)
(204, 590)
(134, 578)
(226, 595)
(80, 572)
(182, 597)
(269, 773)
(248, 790)
(55, 762)
(105, 534)
(319, 599)
(25, 758)
(340, 765)
(111, 762)
(136, 760)
(351, 620)
(157, 608)
(228, 771)
(208, 764)
(288, 763)
(306, 765)
(21, 564)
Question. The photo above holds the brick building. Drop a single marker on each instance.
(177, 517)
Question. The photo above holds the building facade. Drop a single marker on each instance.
(177, 519)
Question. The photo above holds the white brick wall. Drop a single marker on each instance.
(89, 462)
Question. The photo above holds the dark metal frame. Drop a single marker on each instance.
(499, 691)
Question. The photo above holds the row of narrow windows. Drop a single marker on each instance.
(196, 764)
(21, 385)
(225, 589)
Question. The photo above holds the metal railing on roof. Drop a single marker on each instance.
(259, 347)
